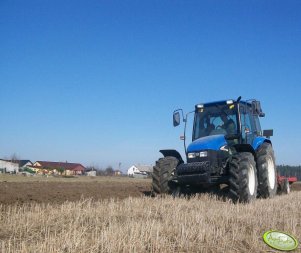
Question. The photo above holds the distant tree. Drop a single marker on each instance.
(109, 171)
(60, 170)
(100, 172)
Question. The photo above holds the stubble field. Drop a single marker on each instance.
(117, 215)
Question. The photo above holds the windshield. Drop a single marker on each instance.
(215, 119)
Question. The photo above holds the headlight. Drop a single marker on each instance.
(197, 154)
(203, 154)
(191, 155)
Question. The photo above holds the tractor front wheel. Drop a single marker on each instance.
(243, 177)
(162, 173)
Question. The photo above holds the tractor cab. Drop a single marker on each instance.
(225, 122)
(235, 120)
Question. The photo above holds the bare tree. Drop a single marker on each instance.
(109, 171)
(14, 157)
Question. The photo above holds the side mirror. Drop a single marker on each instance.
(176, 118)
(256, 108)
(268, 133)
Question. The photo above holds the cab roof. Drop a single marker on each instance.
(223, 102)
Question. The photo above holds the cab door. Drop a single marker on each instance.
(248, 128)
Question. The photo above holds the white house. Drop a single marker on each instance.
(140, 170)
(91, 173)
(13, 166)
(24, 163)
(8, 166)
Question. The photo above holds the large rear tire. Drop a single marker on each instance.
(162, 173)
(243, 178)
(266, 168)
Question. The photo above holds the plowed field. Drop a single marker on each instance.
(18, 189)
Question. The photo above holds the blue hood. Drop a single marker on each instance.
(213, 142)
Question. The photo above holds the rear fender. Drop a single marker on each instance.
(173, 153)
(258, 141)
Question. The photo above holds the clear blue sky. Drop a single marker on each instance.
(96, 82)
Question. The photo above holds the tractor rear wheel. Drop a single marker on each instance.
(266, 168)
(162, 173)
(243, 177)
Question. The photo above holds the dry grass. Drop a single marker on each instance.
(200, 224)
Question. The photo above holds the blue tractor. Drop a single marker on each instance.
(228, 149)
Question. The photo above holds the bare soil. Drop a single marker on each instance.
(59, 191)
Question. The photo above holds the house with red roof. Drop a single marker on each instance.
(59, 168)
